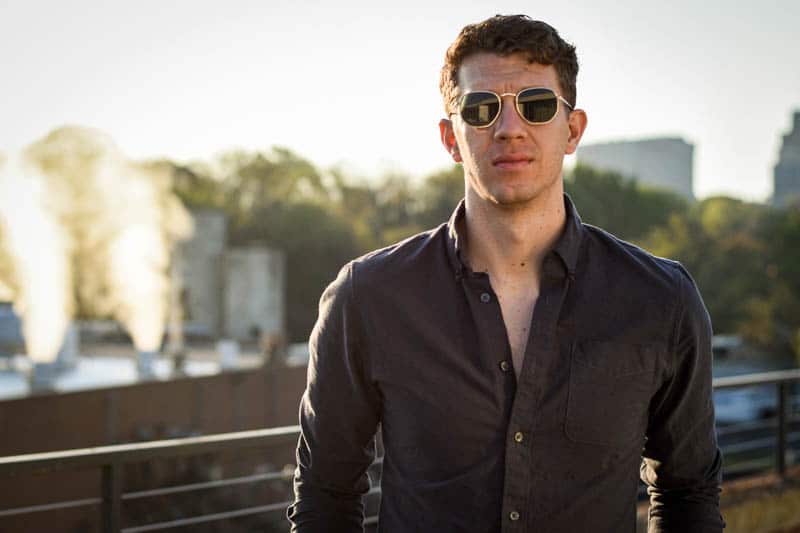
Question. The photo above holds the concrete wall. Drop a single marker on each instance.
(254, 292)
(230, 292)
(201, 268)
(665, 162)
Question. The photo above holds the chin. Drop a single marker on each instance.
(514, 196)
(512, 190)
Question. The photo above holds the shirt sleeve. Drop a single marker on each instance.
(339, 414)
(682, 463)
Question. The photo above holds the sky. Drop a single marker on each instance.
(355, 84)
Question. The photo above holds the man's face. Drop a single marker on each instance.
(511, 162)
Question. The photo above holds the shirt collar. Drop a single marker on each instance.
(567, 246)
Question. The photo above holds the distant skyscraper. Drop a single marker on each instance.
(787, 171)
(662, 162)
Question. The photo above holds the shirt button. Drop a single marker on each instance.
(485, 297)
(518, 436)
(504, 366)
(514, 516)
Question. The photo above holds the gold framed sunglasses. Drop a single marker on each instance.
(536, 105)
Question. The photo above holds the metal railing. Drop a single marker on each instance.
(785, 422)
(112, 459)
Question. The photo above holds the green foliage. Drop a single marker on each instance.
(715, 241)
(279, 198)
(317, 243)
(620, 205)
(745, 257)
(780, 300)
(319, 220)
(389, 209)
(195, 188)
(252, 180)
(439, 194)
(378, 212)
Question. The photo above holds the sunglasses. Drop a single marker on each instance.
(536, 105)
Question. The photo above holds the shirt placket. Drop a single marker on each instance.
(541, 346)
(487, 320)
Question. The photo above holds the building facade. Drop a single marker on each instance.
(662, 162)
(786, 188)
(234, 293)
(254, 292)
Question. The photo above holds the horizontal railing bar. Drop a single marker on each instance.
(280, 506)
(270, 476)
(208, 518)
(771, 424)
(756, 444)
(142, 451)
(750, 425)
(168, 490)
(764, 464)
(762, 378)
(49, 507)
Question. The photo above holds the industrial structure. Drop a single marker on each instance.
(665, 162)
(231, 292)
(223, 298)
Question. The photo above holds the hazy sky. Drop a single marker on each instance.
(355, 83)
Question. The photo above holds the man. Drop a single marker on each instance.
(520, 363)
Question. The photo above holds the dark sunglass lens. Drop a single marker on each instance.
(479, 109)
(537, 105)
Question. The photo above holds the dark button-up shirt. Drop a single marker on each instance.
(615, 384)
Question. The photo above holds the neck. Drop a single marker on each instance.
(509, 241)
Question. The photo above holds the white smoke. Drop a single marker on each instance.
(121, 222)
(38, 248)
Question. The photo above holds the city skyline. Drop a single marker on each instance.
(356, 85)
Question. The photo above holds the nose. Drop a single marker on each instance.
(509, 124)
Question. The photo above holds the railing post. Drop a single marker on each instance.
(783, 404)
(112, 498)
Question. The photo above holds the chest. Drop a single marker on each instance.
(517, 302)
(441, 367)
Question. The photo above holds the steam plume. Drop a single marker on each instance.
(120, 220)
(39, 248)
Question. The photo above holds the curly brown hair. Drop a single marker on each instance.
(505, 35)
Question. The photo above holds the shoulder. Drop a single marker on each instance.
(627, 261)
(392, 277)
(404, 263)
(425, 252)
(664, 282)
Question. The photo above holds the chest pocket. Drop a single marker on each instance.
(610, 386)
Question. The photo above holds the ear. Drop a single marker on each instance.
(448, 137)
(577, 125)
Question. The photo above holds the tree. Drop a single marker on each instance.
(774, 314)
(316, 242)
(744, 258)
(620, 205)
(439, 195)
(252, 180)
(195, 187)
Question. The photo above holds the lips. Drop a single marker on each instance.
(511, 161)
